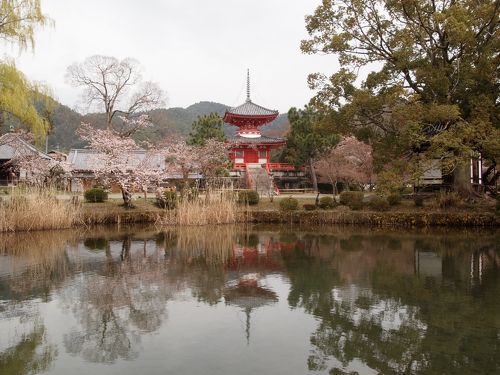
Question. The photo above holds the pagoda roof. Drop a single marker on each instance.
(256, 141)
(249, 108)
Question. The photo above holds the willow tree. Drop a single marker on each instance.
(18, 20)
(19, 97)
(433, 89)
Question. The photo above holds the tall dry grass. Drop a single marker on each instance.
(37, 209)
(216, 206)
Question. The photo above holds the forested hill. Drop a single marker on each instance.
(166, 123)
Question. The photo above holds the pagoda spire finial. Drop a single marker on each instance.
(248, 86)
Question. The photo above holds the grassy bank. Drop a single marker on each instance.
(29, 212)
(404, 215)
(395, 218)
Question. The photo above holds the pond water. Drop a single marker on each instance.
(250, 300)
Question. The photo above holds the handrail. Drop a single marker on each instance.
(283, 167)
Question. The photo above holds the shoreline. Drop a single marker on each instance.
(321, 217)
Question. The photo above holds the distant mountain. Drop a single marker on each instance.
(166, 123)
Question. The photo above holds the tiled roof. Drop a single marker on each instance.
(11, 144)
(251, 109)
(86, 160)
(260, 140)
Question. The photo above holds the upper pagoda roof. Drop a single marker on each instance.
(249, 108)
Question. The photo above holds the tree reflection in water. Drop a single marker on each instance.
(395, 319)
(38, 262)
(118, 302)
(30, 355)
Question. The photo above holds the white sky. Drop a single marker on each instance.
(195, 49)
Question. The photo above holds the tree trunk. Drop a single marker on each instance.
(127, 196)
(462, 180)
(313, 175)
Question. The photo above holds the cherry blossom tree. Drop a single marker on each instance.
(213, 159)
(350, 161)
(210, 160)
(117, 159)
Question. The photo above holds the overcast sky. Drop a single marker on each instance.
(196, 50)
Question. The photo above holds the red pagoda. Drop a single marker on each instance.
(249, 148)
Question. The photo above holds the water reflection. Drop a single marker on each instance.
(391, 303)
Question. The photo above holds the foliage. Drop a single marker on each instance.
(419, 201)
(288, 204)
(309, 207)
(207, 127)
(19, 99)
(250, 197)
(326, 203)
(96, 195)
(18, 96)
(378, 203)
(167, 198)
(448, 199)
(352, 199)
(393, 178)
(350, 161)
(394, 199)
(19, 18)
(115, 86)
(435, 94)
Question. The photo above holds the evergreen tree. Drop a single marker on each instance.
(306, 141)
(207, 127)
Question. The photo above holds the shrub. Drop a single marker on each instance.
(447, 200)
(352, 199)
(167, 199)
(309, 207)
(250, 197)
(394, 199)
(326, 203)
(379, 203)
(289, 204)
(96, 195)
(419, 201)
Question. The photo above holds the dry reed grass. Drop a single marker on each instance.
(217, 206)
(37, 209)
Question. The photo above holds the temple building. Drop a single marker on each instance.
(250, 150)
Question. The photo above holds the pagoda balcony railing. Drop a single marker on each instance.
(280, 167)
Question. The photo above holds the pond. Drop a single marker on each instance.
(250, 300)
